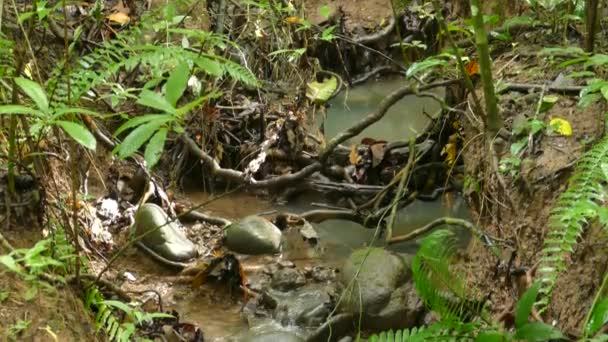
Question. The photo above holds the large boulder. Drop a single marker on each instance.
(382, 291)
(168, 241)
(253, 235)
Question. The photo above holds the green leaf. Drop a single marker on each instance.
(17, 109)
(79, 133)
(137, 138)
(324, 11)
(518, 146)
(117, 304)
(599, 317)
(138, 120)
(537, 332)
(10, 263)
(525, 304)
(177, 83)
(154, 100)
(155, 148)
(321, 92)
(209, 66)
(604, 91)
(491, 336)
(185, 109)
(34, 92)
(424, 65)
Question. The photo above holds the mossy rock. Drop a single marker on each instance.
(253, 235)
(167, 241)
(382, 291)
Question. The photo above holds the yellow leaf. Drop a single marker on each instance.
(561, 126)
(450, 150)
(119, 17)
(292, 20)
(354, 156)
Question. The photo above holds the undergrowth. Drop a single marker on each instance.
(576, 207)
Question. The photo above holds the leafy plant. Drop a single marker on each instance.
(574, 209)
(45, 116)
(155, 127)
(106, 318)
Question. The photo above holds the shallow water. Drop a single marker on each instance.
(403, 120)
(220, 316)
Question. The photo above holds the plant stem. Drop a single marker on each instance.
(493, 120)
(405, 174)
(596, 299)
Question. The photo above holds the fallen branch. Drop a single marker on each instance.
(378, 114)
(527, 87)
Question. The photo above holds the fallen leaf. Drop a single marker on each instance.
(377, 153)
(321, 92)
(292, 20)
(119, 17)
(354, 156)
(561, 126)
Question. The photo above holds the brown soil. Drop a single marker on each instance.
(359, 16)
(52, 313)
(543, 177)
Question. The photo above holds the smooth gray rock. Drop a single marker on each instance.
(253, 235)
(388, 298)
(168, 241)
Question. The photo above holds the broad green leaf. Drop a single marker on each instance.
(10, 263)
(321, 92)
(604, 91)
(177, 83)
(17, 109)
(137, 138)
(209, 66)
(117, 304)
(424, 65)
(155, 100)
(599, 317)
(537, 332)
(491, 336)
(155, 148)
(34, 92)
(324, 11)
(525, 304)
(138, 120)
(518, 146)
(548, 102)
(79, 133)
(597, 60)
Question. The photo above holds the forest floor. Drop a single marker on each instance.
(521, 211)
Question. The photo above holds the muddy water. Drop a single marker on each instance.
(403, 120)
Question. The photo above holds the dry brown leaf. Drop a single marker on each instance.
(354, 156)
(377, 153)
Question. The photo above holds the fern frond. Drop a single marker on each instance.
(125, 53)
(573, 210)
(105, 318)
(434, 332)
(441, 290)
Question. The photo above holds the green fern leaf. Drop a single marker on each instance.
(572, 211)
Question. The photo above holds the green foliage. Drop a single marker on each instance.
(154, 127)
(441, 290)
(45, 117)
(107, 319)
(433, 332)
(573, 210)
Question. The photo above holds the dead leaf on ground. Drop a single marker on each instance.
(378, 150)
(354, 156)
